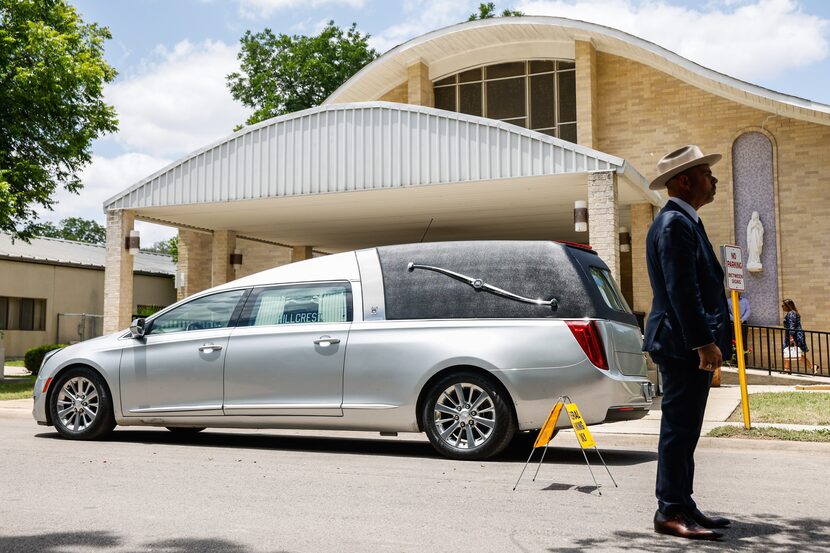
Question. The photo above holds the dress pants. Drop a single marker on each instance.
(685, 391)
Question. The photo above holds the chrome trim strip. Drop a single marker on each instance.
(249, 406)
(173, 409)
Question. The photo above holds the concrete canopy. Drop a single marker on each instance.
(345, 176)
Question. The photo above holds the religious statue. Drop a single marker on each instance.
(755, 243)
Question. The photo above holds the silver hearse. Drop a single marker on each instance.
(470, 342)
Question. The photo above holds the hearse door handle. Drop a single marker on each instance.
(326, 341)
(210, 348)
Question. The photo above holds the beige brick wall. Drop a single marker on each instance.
(194, 262)
(399, 94)
(604, 219)
(224, 242)
(118, 272)
(419, 86)
(641, 218)
(258, 256)
(642, 113)
(586, 92)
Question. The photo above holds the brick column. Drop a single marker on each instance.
(419, 86)
(300, 253)
(604, 218)
(224, 242)
(118, 272)
(586, 93)
(641, 218)
(194, 262)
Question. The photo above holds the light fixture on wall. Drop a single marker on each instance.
(236, 259)
(132, 243)
(625, 240)
(581, 216)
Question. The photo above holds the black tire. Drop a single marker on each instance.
(76, 396)
(185, 430)
(484, 414)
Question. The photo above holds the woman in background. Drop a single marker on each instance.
(794, 334)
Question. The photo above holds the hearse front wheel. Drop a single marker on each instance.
(81, 406)
(466, 416)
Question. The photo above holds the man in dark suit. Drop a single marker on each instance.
(687, 333)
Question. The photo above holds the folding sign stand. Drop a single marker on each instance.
(582, 434)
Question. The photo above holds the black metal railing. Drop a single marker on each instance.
(769, 348)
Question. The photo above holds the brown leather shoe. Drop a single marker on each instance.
(681, 525)
(709, 522)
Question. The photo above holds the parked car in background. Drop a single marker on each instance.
(469, 342)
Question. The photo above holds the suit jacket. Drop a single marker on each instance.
(689, 309)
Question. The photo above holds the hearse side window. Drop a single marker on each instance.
(299, 304)
(213, 311)
(608, 289)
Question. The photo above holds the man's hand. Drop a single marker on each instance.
(711, 357)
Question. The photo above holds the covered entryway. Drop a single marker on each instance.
(347, 176)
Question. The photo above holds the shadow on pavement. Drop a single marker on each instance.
(516, 452)
(761, 532)
(59, 542)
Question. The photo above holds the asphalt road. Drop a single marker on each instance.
(275, 491)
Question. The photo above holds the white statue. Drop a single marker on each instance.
(755, 243)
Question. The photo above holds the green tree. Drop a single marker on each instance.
(282, 74)
(488, 10)
(169, 246)
(74, 228)
(52, 73)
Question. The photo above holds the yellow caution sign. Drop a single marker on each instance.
(546, 433)
(581, 429)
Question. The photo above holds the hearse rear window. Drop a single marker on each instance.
(608, 289)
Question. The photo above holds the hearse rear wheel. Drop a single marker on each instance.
(466, 416)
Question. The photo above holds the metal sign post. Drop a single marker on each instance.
(734, 269)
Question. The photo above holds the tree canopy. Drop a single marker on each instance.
(169, 246)
(74, 228)
(281, 74)
(488, 10)
(52, 73)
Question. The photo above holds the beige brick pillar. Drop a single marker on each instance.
(224, 242)
(586, 93)
(194, 262)
(419, 85)
(300, 253)
(641, 218)
(604, 218)
(118, 272)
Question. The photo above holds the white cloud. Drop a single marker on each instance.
(423, 16)
(178, 101)
(103, 178)
(253, 9)
(751, 40)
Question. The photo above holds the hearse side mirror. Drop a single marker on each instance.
(138, 328)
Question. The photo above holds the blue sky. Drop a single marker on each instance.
(172, 56)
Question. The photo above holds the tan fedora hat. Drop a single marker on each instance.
(678, 161)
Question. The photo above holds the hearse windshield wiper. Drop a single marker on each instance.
(479, 285)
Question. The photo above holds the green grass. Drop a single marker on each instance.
(17, 363)
(770, 434)
(787, 408)
(17, 387)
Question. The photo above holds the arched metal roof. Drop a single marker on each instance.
(499, 39)
(364, 146)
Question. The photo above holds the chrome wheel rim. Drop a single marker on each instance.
(465, 416)
(78, 404)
